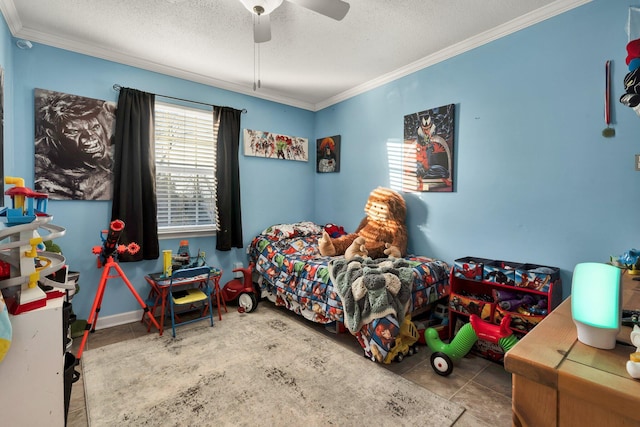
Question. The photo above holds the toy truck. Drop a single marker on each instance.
(405, 342)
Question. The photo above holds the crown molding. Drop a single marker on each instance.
(532, 18)
(10, 13)
(119, 57)
(7, 7)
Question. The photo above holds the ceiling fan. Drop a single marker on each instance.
(336, 9)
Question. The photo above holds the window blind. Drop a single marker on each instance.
(185, 168)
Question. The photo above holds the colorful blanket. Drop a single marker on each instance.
(292, 274)
(372, 288)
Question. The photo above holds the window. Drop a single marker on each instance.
(185, 169)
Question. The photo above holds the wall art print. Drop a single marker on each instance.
(428, 135)
(275, 146)
(328, 154)
(73, 146)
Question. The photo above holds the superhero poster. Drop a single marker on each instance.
(73, 146)
(328, 154)
(275, 146)
(428, 144)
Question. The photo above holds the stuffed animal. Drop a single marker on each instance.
(335, 230)
(357, 248)
(383, 229)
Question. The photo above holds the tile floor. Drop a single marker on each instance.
(482, 387)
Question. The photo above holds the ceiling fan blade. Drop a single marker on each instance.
(336, 9)
(261, 28)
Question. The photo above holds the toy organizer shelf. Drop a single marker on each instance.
(491, 289)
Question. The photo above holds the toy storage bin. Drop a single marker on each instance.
(519, 322)
(471, 268)
(537, 277)
(501, 272)
(488, 350)
(483, 348)
(468, 305)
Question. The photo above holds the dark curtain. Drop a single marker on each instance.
(228, 175)
(134, 171)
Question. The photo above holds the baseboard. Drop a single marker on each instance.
(118, 319)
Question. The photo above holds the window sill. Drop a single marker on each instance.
(177, 234)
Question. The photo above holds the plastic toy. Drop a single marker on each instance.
(520, 302)
(405, 342)
(22, 213)
(444, 354)
(184, 253)
(241, 290)
(334, 230)
(22, 237)
(167, 263)
(106, 256)
(633, 364)
(182, 259)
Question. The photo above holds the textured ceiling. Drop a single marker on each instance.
(311, 61)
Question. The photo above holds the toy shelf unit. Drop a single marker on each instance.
(24, 267)
(492, 289)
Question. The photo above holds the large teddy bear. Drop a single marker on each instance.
(381, 233)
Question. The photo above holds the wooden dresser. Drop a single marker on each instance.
(558, 381)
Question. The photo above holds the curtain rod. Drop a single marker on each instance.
(117, 88)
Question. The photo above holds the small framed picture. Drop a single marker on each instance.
(328, 154)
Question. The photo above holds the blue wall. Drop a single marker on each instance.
(6, 62)
(535, 180)
(262, 193)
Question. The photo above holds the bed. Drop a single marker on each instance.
(291, 273)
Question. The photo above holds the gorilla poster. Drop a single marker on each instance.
(73, 146)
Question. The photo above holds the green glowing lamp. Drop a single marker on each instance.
(596, 303)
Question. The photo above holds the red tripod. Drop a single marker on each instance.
(110, 246)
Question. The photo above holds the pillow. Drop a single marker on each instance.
(287, 231)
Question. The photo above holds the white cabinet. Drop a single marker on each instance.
(32, 372)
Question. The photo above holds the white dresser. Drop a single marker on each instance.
(32, 372)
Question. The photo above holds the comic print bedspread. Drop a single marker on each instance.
(293, 274)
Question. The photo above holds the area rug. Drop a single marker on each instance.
(259, 368)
